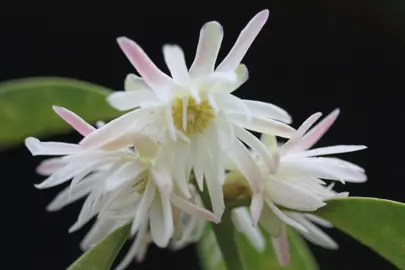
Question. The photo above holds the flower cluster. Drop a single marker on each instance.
(188, 133)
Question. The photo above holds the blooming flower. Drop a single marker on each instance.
(193, 113)
(120, 185)
(294, 184)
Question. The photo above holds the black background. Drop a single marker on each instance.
(309, 57)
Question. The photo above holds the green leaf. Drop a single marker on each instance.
(209, 252)
(26, 106)
(376, 223)
(102, 255)
(301, 256)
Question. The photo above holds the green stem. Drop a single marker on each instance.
(225, 235)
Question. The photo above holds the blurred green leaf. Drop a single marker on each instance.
(26, 106)
(209, 252)
(301, 256)
(102, 255)
(376, 223)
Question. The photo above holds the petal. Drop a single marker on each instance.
(98, 232)
(36, 147)
(248, 167)
(292, 196)
(154, 77)
(231, 103)
(192, 209)
(280, 245)
(113, 129)
(82, 189)
(270, 141)
(209, 43)
(161, 221)
(330, 150)
(242, 44)
(325, 168)
(133, 82)
(125, 100)
(163, 181)
(125, 172)
(144, 205)
(314, 234)
(51, 165)
(256, 206)
(255, 144)
(74, 120)
(243, 223)
(135, 247)
(318, 220)
(270, 222)
(313, 136)
(285, 148)
(214, 187)
(262, 125)
(283, 217)
(175, 61)
(145, 146)
(268, 110)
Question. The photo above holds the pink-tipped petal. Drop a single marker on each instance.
(152, 75)
(74, 120)
(244, 41)
(209, 43)
(280, 245)
(295, 138)
(51, 165)
(192, 209)
(313, 136)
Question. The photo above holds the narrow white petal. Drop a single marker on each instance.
(329, 150)
(36, 147)
(318, 220)
(325, 168)
(256, 206)
(174, 58)
(268, 110)
(135, 247)
(231, 103)
(314, 234)
(284, 217)
(99, 231)
(313, 136)
(230, 80)
(292, 196)
(214, 189)
(161, 221)
(126, 100)
(113, 129)
(245, 39)
(255, 144)
(87, 212)
(270, 222)
(155, 78)
(144, 205)
(51, 165)
(211, 35)
(163, 181)
(243, 223)
(82, 189)
(248, 167)
(280, 245)
(262, 125)
(74, 120)
(133, 82)
(146, 147)
(128, 171)
(192, 209)
(295, 138)
(170, 123)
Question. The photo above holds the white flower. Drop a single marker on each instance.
(294, 183)
(193, 114)
(135, 183)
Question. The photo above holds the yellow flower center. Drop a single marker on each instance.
(196, 118)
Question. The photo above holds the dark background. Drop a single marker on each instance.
(309, 57)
